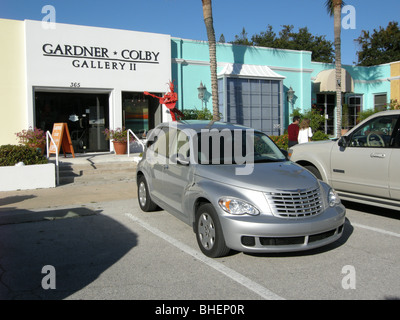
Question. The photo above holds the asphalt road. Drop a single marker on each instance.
(110, 249)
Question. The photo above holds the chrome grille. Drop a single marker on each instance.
(295, 203)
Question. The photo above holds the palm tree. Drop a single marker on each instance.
(334, 7)
(208, 20)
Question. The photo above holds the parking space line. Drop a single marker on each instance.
(230, 273)
(390, 233)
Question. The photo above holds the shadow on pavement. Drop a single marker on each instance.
(14, 199)
(79, 243)
(375, 210)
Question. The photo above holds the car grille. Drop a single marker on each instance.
(295, 203)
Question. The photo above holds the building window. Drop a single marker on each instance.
(140, 112)
(254, 103)
(326, 104)
(354, 108)
(380, 102)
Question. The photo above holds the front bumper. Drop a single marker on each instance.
(272, 234)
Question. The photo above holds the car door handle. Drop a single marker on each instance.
(378, 155)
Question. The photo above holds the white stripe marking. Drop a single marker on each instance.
(376, 230)
(230, 273)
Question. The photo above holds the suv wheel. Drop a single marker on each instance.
(145, 202)
(209, 232)
(314, 171)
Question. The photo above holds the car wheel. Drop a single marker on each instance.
(145, 202)
(314, 171)
(209, 232)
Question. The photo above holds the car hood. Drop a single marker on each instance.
(327, 144)
(266, 177)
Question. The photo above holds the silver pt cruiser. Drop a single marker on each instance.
(236, 189)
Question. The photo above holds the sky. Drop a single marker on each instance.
(184, 18)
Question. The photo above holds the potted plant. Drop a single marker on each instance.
(119, 138)
(34, 138)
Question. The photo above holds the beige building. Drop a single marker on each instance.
(12, 81)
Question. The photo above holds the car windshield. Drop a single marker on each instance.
(236, 147)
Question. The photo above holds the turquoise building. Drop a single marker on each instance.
(254, 83)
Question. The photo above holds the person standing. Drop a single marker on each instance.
(293, 131)
(305, 132)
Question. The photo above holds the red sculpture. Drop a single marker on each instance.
(169, 99)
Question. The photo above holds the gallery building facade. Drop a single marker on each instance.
(95, 78)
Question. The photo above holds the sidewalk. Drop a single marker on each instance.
(20, 206)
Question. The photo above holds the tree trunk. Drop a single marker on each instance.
(208, 20)
(338, 64)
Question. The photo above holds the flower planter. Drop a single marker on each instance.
(120, 147)
(27, 177)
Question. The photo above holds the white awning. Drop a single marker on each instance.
(249, 71)
(327, 81)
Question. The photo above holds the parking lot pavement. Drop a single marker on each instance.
(19, 206)
(103, 246)
(101, 253)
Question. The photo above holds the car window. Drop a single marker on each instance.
(180, 145)
(161, 142)
(396, 137)
(237, 147)
(376, 133)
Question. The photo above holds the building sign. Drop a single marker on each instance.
(91, 57)
(62, 138)
(100, 57)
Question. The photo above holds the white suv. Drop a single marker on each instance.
(364, 165)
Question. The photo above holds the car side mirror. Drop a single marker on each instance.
(285, 153)
(343, 141)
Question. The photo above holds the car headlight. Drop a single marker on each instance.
(238, 207)
(333, 198)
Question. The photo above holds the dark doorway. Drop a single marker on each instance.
(87, 116)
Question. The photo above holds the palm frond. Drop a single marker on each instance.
(330, 4)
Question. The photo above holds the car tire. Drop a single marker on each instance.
(209, 233)
(145, 202)
(314, 171)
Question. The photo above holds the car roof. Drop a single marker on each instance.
(198, 125)
(385, 112)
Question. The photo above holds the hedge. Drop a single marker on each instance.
(10, 155)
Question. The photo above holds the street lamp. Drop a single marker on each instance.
(290, 96)
(201, 89)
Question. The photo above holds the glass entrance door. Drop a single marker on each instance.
(327, 102)
(85, 113)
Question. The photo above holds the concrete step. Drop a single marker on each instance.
(96, 172)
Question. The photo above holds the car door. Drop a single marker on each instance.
(394, 165)
(157, 155)
(363, 166)
(177, 172)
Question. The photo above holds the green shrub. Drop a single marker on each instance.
(194, 114)
(281, 141)
(12, 154)
(319, 135)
